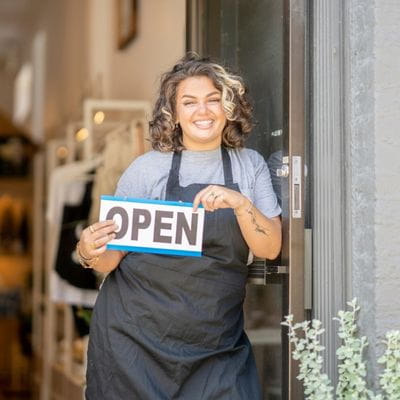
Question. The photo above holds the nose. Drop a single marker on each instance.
(202, 107)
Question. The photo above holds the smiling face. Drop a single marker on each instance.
(200, 114)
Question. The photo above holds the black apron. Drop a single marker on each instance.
(171, 327)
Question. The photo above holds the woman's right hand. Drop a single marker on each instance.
(94, 238)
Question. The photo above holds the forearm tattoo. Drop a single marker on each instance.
(258, 228)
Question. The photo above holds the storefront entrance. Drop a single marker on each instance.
(265, 42)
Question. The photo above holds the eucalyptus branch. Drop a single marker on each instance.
(307, 350)
(352, 369)
(390, 378)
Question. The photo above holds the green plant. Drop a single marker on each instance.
(308, 351)
(390, 378)
(352, 369)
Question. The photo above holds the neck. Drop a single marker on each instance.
(202, 146)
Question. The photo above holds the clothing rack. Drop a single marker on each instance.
(139, 110)
(60, 377)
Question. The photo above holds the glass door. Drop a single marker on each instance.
(264, 40)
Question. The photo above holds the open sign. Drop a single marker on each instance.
(154, 226)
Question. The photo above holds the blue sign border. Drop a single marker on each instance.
(154, 250)
(147, 201)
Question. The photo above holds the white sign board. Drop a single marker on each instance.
(154, 226)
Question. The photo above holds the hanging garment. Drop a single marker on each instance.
(67, 185)
(67, 265)
(120, 149)
(170, 327)
(14, 229)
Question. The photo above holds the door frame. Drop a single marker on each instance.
(294, 99)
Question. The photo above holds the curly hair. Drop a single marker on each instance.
(165, 135)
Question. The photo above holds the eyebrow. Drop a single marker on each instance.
(208, 95)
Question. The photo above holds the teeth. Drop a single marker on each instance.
(204, 123)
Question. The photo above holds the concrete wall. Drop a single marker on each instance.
(372, 114)
(360, 124)
(387, 164)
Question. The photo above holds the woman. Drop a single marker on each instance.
(170, 327)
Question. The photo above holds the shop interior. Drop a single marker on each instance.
(77, 84)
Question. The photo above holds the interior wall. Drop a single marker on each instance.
(82, 58)
(134, 72)
(17, 20)
(6, 92)
(64, 23)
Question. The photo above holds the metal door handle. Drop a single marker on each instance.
(296, 187)
(283, 172)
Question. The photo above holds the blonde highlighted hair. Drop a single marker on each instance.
(166, 136)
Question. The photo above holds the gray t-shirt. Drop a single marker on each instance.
(147, 176)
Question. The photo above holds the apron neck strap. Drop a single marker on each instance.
(173, 180)
(226, 163)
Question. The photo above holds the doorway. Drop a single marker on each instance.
(264, 41)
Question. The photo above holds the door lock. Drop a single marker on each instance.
(283, 172)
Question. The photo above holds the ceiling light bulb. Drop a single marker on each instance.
(99, 117)
(81, 135)
(62, 152)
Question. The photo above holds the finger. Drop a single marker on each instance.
(90, 241)
(103, 240)
(219, 201)
(214, 197)
(105, 231)
(98, 243)
(98, 251)
(209, 199)
(198, 197)
(206, 201)
(99, 225)
(202, 197)
(102, 230)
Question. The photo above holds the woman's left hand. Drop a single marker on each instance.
(214, 197)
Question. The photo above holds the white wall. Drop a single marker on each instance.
(133, 73)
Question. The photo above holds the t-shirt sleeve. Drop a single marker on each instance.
(264, 196)
(132, 182)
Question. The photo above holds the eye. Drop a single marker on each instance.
(215, 100)
(188, 103)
